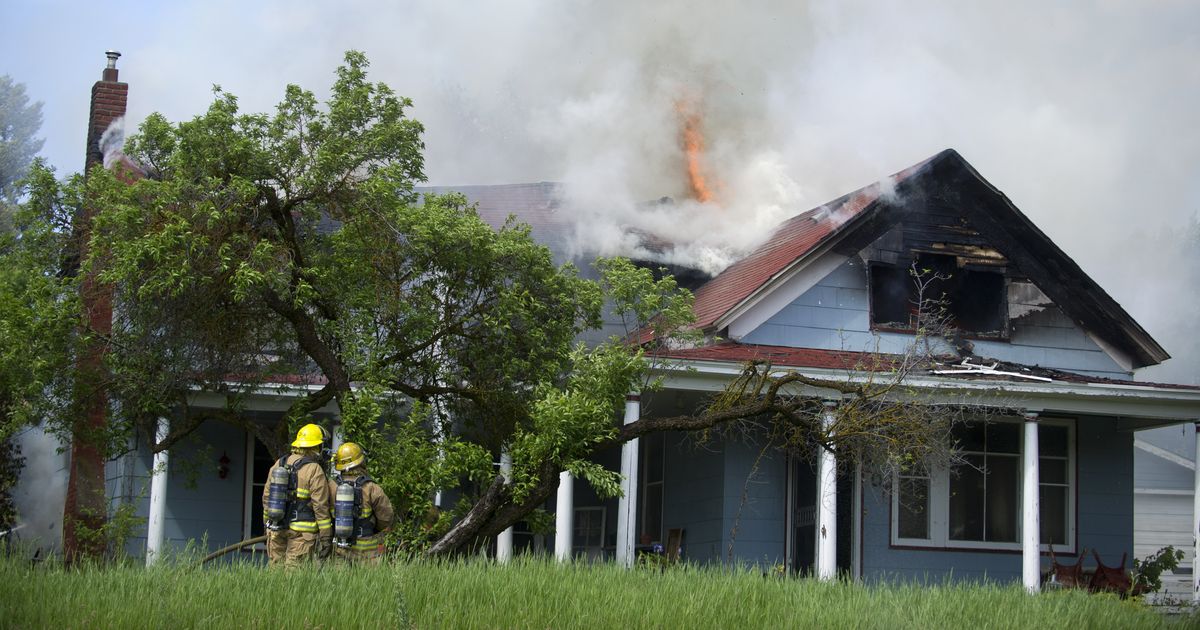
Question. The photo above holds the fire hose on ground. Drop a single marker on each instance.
(234, 547)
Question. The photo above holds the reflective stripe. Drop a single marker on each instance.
(303, 493)
(367, 512)
(366, 544)
(303, 526)
(325, 523)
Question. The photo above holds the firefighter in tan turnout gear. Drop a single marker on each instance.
(362, 513)
(297, 503)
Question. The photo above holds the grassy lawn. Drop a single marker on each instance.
(525, 594)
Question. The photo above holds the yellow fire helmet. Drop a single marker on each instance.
(348, 456)
(309, 435)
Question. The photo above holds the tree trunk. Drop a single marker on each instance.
(493, 513)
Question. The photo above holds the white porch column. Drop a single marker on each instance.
(627, 506)
(156, 524)
(1196, 522)
(336, 438)
(504, 542)
(564, 516)
(827, 504)
(1031, 528)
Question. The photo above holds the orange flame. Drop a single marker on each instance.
(693, 148)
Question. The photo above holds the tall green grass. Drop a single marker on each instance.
(524, 594)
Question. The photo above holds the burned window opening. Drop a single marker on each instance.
(976, 300)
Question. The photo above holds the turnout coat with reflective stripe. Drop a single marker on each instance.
(376, 506)
(312, 486)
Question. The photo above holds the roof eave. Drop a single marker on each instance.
(1117, 400)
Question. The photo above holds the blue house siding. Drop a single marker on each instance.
(128, 483)
(694, 497)
(1104, 520)
(1105, 457)
(882, 563)
(835, 315)
(199, 503)
(759, 537)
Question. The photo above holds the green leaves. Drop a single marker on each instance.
(252, 249)
(658, 309)
(38, 305)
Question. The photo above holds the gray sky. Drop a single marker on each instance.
(1083, 113)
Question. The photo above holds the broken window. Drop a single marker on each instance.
(975, 300)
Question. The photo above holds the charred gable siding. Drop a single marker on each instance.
(1038, 258)
(944, 208)
(835, 315)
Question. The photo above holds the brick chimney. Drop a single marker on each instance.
(109, 97)
(85, 511)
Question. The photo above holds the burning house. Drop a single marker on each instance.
(832, 285)
(1036, 337)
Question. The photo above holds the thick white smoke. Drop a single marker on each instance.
(112, 141)
(40, 491)
(1083, 111)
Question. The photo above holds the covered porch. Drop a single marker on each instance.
(737, 502)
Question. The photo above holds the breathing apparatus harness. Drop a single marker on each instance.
(284, 506)
(350, 522)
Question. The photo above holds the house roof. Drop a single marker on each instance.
(945, 182)
(788, 244)
(948, 183)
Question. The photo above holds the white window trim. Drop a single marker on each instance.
(939, 506)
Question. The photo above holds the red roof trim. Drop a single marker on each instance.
(734, 352)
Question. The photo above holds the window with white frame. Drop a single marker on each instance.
(587, 541)
(977, 504)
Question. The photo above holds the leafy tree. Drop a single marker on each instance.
(37, 315)
(20, 121)
(291, 249)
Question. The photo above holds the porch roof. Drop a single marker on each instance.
(1143, 404)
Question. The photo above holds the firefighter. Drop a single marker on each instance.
(363, 514)
(297, 503)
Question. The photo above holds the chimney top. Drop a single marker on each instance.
(110, 71)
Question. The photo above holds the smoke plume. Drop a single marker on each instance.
(41, 490)
(1082, 112)
(112, 142)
